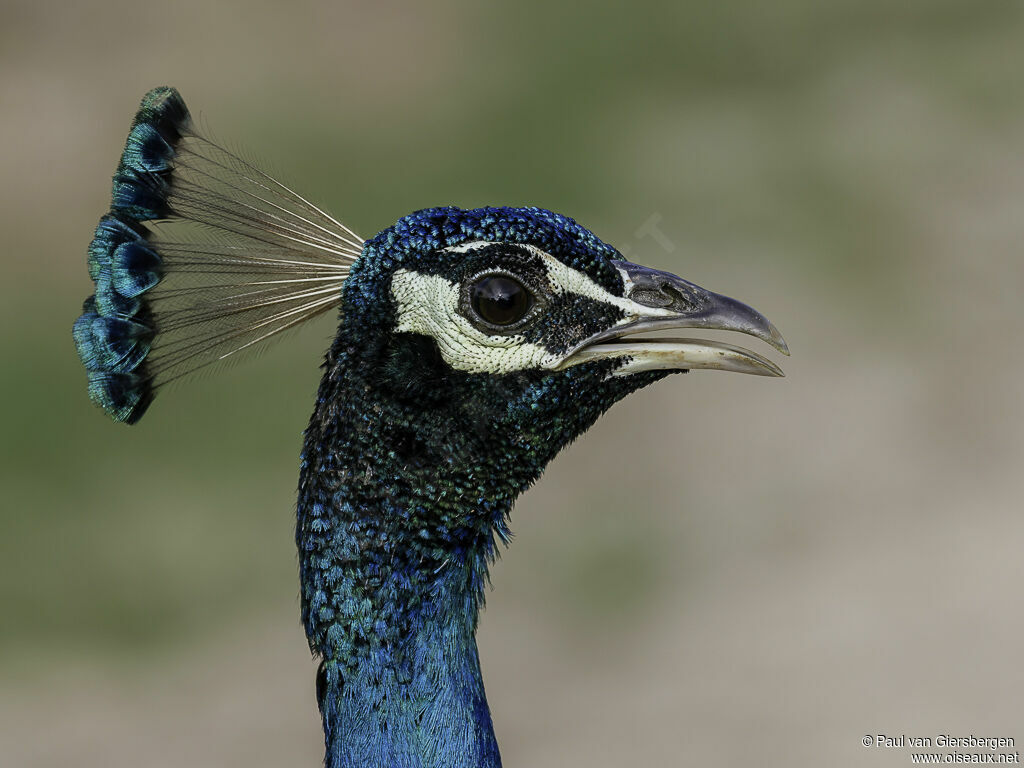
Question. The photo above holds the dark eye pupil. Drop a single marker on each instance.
(500, 300)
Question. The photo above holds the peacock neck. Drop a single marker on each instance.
(408, 474)
(395, 540)
(395, 624)
(414, 697)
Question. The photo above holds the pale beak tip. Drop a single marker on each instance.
(776, 339)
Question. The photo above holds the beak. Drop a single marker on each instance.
(658, 301)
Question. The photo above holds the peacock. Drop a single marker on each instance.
(472, 346)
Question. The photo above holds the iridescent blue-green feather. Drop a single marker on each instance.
(141, 182)
(114, 333)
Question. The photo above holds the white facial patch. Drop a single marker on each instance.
(429, 305)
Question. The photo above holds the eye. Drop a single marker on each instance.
(500, 300)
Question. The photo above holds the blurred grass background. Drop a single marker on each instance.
(726, 570)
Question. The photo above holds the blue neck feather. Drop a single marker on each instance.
(419, 702)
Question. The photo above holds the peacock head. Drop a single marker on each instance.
(520, 324)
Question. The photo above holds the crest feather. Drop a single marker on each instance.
(201, 256)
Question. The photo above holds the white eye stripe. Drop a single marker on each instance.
(573, 281)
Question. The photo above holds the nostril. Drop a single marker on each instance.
(666, 295)
(677, 299)
(650, 297)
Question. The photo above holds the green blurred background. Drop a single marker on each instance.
(726, 570)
